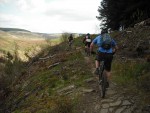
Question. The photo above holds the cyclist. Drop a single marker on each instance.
(70, 40)
(104, 53)
(87, 41)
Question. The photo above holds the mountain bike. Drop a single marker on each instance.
(102, 79)
(70, 44)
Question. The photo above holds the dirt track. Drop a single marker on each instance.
(116, 101)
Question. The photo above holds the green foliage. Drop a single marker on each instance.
(11, 71)
(133, 78)
(129, 72)
(13, 66)
(64, 37)
(39, 89)
(64, 105)
(123, 12)
(56, 104)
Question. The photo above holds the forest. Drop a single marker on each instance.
(123, 13)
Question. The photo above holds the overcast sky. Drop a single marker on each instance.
(51, 16)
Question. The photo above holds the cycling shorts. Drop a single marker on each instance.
(87, 44)
(107, 57)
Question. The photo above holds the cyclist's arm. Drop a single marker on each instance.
(115, 47)
(92, 44)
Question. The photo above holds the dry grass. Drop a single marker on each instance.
(31, 44)
(8, 43)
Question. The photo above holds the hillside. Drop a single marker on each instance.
(13, 29)
(134, 42)
(25, 41)
(60, 80)
(21, 33)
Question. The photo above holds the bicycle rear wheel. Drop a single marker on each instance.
(87, 51)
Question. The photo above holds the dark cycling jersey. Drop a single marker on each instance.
(70, 38)
(87, 40)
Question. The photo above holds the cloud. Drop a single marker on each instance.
(63, 9)
(31, 6)
(50, 15)
(8, 19)
(68, 15)
(3, 1)
(72, 10)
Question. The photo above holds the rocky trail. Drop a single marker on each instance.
(116, 101)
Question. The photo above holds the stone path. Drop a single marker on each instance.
(114, 102)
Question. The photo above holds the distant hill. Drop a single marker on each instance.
(22, 33)
(13, 29)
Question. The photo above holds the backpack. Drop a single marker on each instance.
(106, 41)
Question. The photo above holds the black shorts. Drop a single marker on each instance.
(87, 44)
(107, 57)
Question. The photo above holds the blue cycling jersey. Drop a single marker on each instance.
(97, 42)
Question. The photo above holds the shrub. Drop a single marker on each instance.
(64, 37)
(63, 105)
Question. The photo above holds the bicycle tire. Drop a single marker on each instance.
(103, 86)
(87, 51)
(102, 80)
(101, 69)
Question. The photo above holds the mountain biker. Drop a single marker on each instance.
(103, 53)
(87, 41)
(70, 40)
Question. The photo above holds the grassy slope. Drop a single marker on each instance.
(132, 73)
(39, 90)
